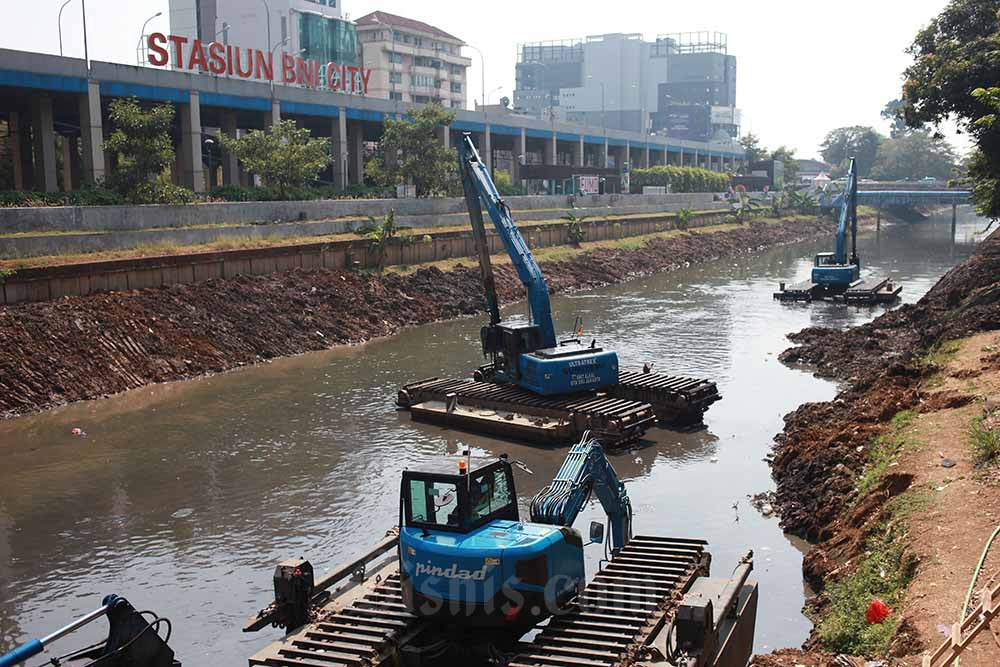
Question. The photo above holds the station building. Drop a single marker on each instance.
(56, 113)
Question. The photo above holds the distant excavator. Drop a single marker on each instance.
(836, 276)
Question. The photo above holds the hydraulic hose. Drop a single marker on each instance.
(975, 577)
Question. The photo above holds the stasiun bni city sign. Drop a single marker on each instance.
(249, 63)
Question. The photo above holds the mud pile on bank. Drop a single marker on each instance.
(85, 347)
(823, 451)
(820, 453)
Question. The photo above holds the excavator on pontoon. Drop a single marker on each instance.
(536, 387)
(465, 580)
(836, 276)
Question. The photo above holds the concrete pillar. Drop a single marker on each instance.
(44, 138)
(520, 155)
(275, 115)
(444, 135)
(488, 148)
(356, 153)
(338, 145)
(74, 162)
(16, 151)
(67, 160)
(604, 156)
(92, 134)
(193, 173)
(645, 157)
(627, 157)
(579, 153)
(552, 151)
(230, 164)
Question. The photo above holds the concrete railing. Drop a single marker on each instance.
(53, 282)
(33, 232)
(132, 218)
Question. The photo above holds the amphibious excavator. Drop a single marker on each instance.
(835, 275)
(133, 640)
(464, 580)
(534, 386)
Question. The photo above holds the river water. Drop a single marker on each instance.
(183, 496)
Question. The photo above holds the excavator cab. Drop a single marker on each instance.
(467, 558)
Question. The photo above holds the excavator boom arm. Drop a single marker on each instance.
(476, 179)
(585, 470)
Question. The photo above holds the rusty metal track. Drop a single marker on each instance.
(621, 609)
(616, 421)
(367, 631)
(619, 415)
(624, 605)
(679, 401)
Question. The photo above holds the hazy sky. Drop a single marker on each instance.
(803, 68)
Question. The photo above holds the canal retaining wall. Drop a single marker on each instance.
(81, 279)
(77, 348)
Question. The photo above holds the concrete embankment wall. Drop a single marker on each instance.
(53, 282)
(33, 232)
(418, 212)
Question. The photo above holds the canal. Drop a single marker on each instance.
(183, 496)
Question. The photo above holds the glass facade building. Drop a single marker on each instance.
(328, 39)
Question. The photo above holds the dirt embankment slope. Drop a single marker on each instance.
(885, 477)
(80, 348)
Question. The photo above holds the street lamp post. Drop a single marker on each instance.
(271, 57)
(267, 9)
(143, 30)
(86, 52)
(60, 24)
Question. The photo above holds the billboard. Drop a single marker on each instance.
(684, 121)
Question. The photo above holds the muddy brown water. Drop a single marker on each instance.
(183, 496)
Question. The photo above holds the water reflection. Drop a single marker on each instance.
(181, 496)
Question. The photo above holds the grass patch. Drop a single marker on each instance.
(885, 572)
(984, 438)
(942, 353)
(882, 451)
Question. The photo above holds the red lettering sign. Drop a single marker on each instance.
(253, 63)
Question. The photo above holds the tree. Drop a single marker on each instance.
(913, 156)
(954, 58)
(844, 143)
(285, 155)
(893, 112)
(141, 140)
(787, 156)
(754, 151)
(382, 234)
(410, 153)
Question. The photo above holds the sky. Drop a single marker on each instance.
(803, 68)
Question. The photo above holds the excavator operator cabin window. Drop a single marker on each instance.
(488, 493)
(434, 502)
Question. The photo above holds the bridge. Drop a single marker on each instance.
(880, 198)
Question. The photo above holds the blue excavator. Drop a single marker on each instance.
(836, 276)
(464, 579)
(525, 354)
(835, 270)
(464, 529)
(536, 387)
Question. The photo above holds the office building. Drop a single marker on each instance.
(311, 29)
(681, 85)
(411, 61)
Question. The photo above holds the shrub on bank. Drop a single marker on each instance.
(679, 179)
(292, 193)
(88, 196)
